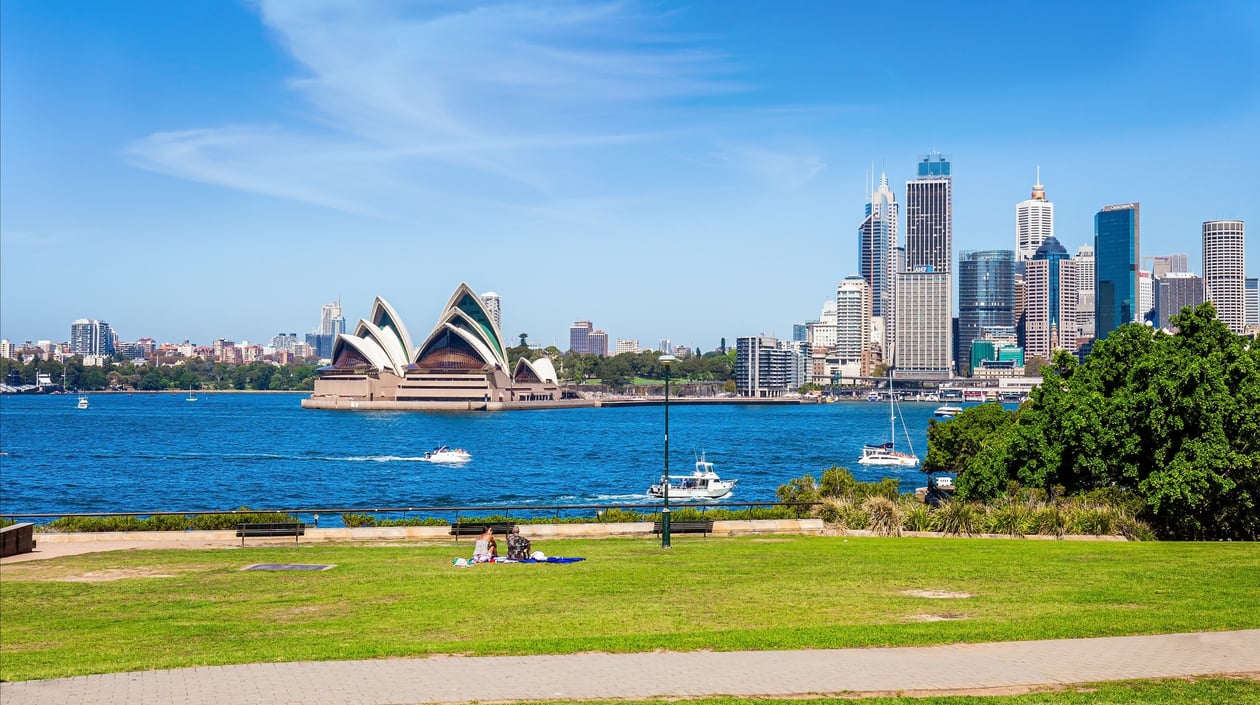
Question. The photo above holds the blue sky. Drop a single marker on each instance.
(201, 170)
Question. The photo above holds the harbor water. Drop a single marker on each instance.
(159, 452)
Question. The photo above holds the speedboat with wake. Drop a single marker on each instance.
(702, 483)
(443, 454)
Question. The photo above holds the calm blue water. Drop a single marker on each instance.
(143, 452)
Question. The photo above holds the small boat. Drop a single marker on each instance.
(886, 454)
(873, 396)
(443, 454)
(191, 396)
(947, 411)
(83, 402)
(703, 483)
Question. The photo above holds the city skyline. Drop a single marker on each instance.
(654, 157)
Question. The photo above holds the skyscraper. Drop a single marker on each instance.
(1224, 272)
(925, 324)
(494, 306)
(91, 337)
(1116, 255)
(986, 296)
(877, 246)
(1084, 260)
(1034, 222)
(1146, 296)
(1173, 292)
(930, 216)
(331, 322)
(579, 337)
(1050, 320)
(853, 326)
(1251, 301)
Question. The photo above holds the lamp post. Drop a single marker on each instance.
(667, 361)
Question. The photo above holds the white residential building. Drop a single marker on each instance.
(853, 326)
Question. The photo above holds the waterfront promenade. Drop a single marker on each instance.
(1011, 667)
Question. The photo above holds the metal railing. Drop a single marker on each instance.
(560, 512)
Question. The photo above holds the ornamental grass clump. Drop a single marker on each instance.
(883, 516)
(958, 518)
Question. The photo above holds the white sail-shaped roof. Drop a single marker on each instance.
(467, 301)
(388, 341)
(365, 347)
(384, 316)
(546, 371)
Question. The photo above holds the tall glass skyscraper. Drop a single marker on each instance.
(1116, 258)
(877, 244)
(986, 296)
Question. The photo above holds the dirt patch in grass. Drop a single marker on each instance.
(937, 594)
(102, 576)
(936, 617)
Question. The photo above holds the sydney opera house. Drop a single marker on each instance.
(462, 364)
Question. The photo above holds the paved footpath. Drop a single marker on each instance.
(920, 670)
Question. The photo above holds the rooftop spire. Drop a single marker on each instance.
(1039, 191)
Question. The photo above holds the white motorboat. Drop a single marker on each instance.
(83, 402)
(702, 483)
(886, 454)
(947, 411)
(443, 454)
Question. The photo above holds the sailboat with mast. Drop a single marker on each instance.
(886, 454)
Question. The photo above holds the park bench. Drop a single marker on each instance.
(17, 538)
(686, 527)
(271, 529)
(474, 528)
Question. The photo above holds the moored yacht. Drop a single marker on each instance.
(703, 483)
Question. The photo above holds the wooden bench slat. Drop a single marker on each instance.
(269, 529)
(685, 527)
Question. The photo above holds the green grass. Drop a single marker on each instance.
(175, 608)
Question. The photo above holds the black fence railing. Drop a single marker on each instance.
(570, 512)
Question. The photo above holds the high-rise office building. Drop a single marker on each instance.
(924, 324)
(494, 307)
(1251, 301)
(853, 326)
(331, 322)
(1084, 260)
(1159, 265)
(986, 296)
(579, 337)
(930, 216)
(1034, 222)
(1224, 270)
(1050, 318)
(1117, 232)
(877, 246)
(597, 343)
(91, 337)
(1146, 296)
(1173, 292)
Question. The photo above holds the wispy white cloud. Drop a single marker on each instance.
(414, 106)
(778, 169)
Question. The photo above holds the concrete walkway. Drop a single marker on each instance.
(1003, 667)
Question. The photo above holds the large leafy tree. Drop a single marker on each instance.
(1174, 419)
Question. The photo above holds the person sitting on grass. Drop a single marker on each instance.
(485, 550)
(518, 546)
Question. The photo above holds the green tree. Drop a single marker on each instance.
(952, 443)
(615, 371)
(1174, 419)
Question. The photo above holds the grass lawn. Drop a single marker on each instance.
(136, 610)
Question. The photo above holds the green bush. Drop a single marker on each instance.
(883, 516)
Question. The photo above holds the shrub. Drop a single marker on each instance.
(883, 517)
(958, 518)
(918, 517)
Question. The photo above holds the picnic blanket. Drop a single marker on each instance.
(464, 562)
